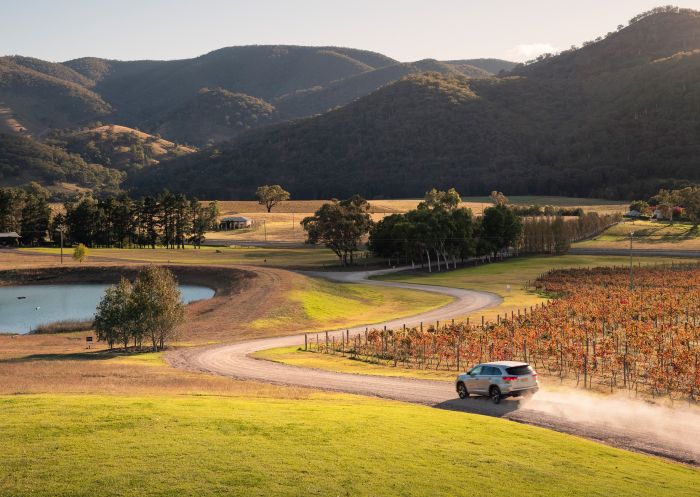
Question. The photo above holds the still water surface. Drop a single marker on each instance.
(42, 304)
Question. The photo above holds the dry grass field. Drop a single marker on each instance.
(648, 235)
(282, 224)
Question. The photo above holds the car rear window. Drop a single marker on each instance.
(519, 370)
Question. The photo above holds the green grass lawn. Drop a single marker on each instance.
(328, 445)
(296, 356)
(325, 305)
(276, 257)
(509, 277)
(653, 235)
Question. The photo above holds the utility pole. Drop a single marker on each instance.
(631, 267)
(60, 230)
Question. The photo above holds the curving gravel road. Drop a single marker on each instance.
(569, 413)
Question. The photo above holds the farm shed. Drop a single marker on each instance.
(9, 238)
(234, 223)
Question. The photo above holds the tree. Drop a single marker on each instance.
(498, 198)
(640, 206)
(666, 200)
(448, 200)
(80, 252)
(114, 320)
(156, 305)
(271, 195)
(689, 198)
(340, 226)
(500, 229)
(36, 215)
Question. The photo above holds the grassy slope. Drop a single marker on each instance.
(203, 446)
(326, 305)
(649, 235)
(295, 356)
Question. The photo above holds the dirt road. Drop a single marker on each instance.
(616, 424)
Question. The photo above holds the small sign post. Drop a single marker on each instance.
(88, 342)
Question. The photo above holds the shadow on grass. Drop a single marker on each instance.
(97, 355)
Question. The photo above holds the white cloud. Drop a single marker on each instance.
(528, 51)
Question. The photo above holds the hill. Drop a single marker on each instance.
(36, 97)
(214, 115)
(118, 147)
(23, 160)
(491, 66)
(616, 119)
(202, 100)
(339, 93)
(139, 89)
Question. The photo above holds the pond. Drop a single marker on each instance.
(23, 308)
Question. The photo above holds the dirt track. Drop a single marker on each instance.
(573, 413)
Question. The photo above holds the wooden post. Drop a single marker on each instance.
(306, 342)
(326, 339)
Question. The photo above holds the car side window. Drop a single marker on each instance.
(476, 371)
(492, 371)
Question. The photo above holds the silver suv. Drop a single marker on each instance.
(498, 380)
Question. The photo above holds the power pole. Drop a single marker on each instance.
(631, 267)
(60, 230)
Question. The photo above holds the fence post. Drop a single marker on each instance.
(326, 339)
(306, 342)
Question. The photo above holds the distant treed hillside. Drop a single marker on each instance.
(249, 87)
(263, 72)
(342, 92)
(491, 66)
(214, 115)
(118, 147)
(617, 118)
(23, 160)
(34, 94)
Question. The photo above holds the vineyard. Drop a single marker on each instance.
(597, 329)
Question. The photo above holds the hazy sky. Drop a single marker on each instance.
(406, 30)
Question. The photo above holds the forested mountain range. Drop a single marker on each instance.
(158, 110)
(242, 86)
(618, 117)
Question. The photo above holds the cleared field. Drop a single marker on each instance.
(509, 278)
(282, 224)
(274, 257)
(60, 363)
(325, 445)
(648, 235)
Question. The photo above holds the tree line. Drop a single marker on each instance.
(440, 233)
(682, 204)
(169, 220)
(25, 211)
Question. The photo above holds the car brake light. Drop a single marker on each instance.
(510, 378)
(534, 373)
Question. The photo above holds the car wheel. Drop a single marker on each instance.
(495, 395)
(462, 391)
